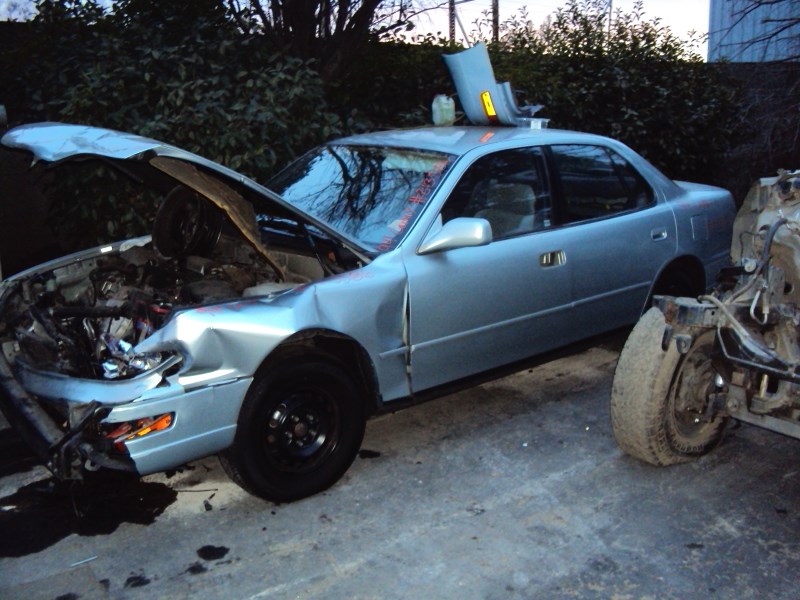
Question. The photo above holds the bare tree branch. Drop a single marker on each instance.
(779, 29)
(330, 31)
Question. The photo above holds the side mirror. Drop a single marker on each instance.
(462, 232)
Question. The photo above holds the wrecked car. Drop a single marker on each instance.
(691, 365)
(267, 323)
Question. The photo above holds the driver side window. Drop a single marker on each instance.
(508, 188)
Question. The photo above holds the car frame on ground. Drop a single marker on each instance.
(377, 270)
(691, 365)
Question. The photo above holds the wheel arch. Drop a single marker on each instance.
(334, 347)
(684, 276)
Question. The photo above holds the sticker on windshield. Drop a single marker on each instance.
(415, 202)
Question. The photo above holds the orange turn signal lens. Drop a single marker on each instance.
(161, 423)
(131, 430)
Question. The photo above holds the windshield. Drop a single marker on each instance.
(370, 194)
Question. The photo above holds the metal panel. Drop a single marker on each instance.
(205, 423)
(474, 309)
(741, 36)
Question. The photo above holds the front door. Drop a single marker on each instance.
(473, 309)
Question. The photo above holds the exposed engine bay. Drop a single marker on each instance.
(137, 356)
(84, 318)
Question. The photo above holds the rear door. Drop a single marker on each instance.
(613, 232)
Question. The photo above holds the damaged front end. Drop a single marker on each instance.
(756, 313)
(69, 336)
(76, 381)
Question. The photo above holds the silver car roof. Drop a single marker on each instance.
(460, 140)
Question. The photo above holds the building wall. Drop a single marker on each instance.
(739, 37)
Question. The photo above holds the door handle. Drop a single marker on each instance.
(552, 259)
(658, 234)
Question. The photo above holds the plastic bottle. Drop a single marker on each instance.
(443, 110)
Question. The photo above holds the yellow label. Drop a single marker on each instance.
(488, 105)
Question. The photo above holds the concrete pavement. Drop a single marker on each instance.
(514, 489)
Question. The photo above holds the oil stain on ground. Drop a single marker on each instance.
(212, 552)
(135, 581)
(196, 568)
(45, 512)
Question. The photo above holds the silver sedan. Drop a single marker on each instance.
(267, 323)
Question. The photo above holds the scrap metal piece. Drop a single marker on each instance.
(485, 101)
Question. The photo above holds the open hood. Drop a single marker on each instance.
(55, 142)
(217, 238)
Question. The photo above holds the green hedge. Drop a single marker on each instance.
(190, 77)
(634, 81)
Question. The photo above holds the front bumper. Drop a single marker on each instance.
(203, 422)
(59, 447)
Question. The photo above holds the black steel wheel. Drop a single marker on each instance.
(299, 429)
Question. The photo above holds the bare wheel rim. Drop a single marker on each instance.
(302, 430)
(692, 388)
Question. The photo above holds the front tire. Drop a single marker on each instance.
(659, 398)
(299, 430)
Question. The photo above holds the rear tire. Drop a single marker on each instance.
(659, 399)
(299, 430)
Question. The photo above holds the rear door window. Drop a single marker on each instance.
(596, 182)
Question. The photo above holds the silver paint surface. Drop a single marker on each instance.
(422, 317)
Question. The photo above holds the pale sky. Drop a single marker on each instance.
(681, 16)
